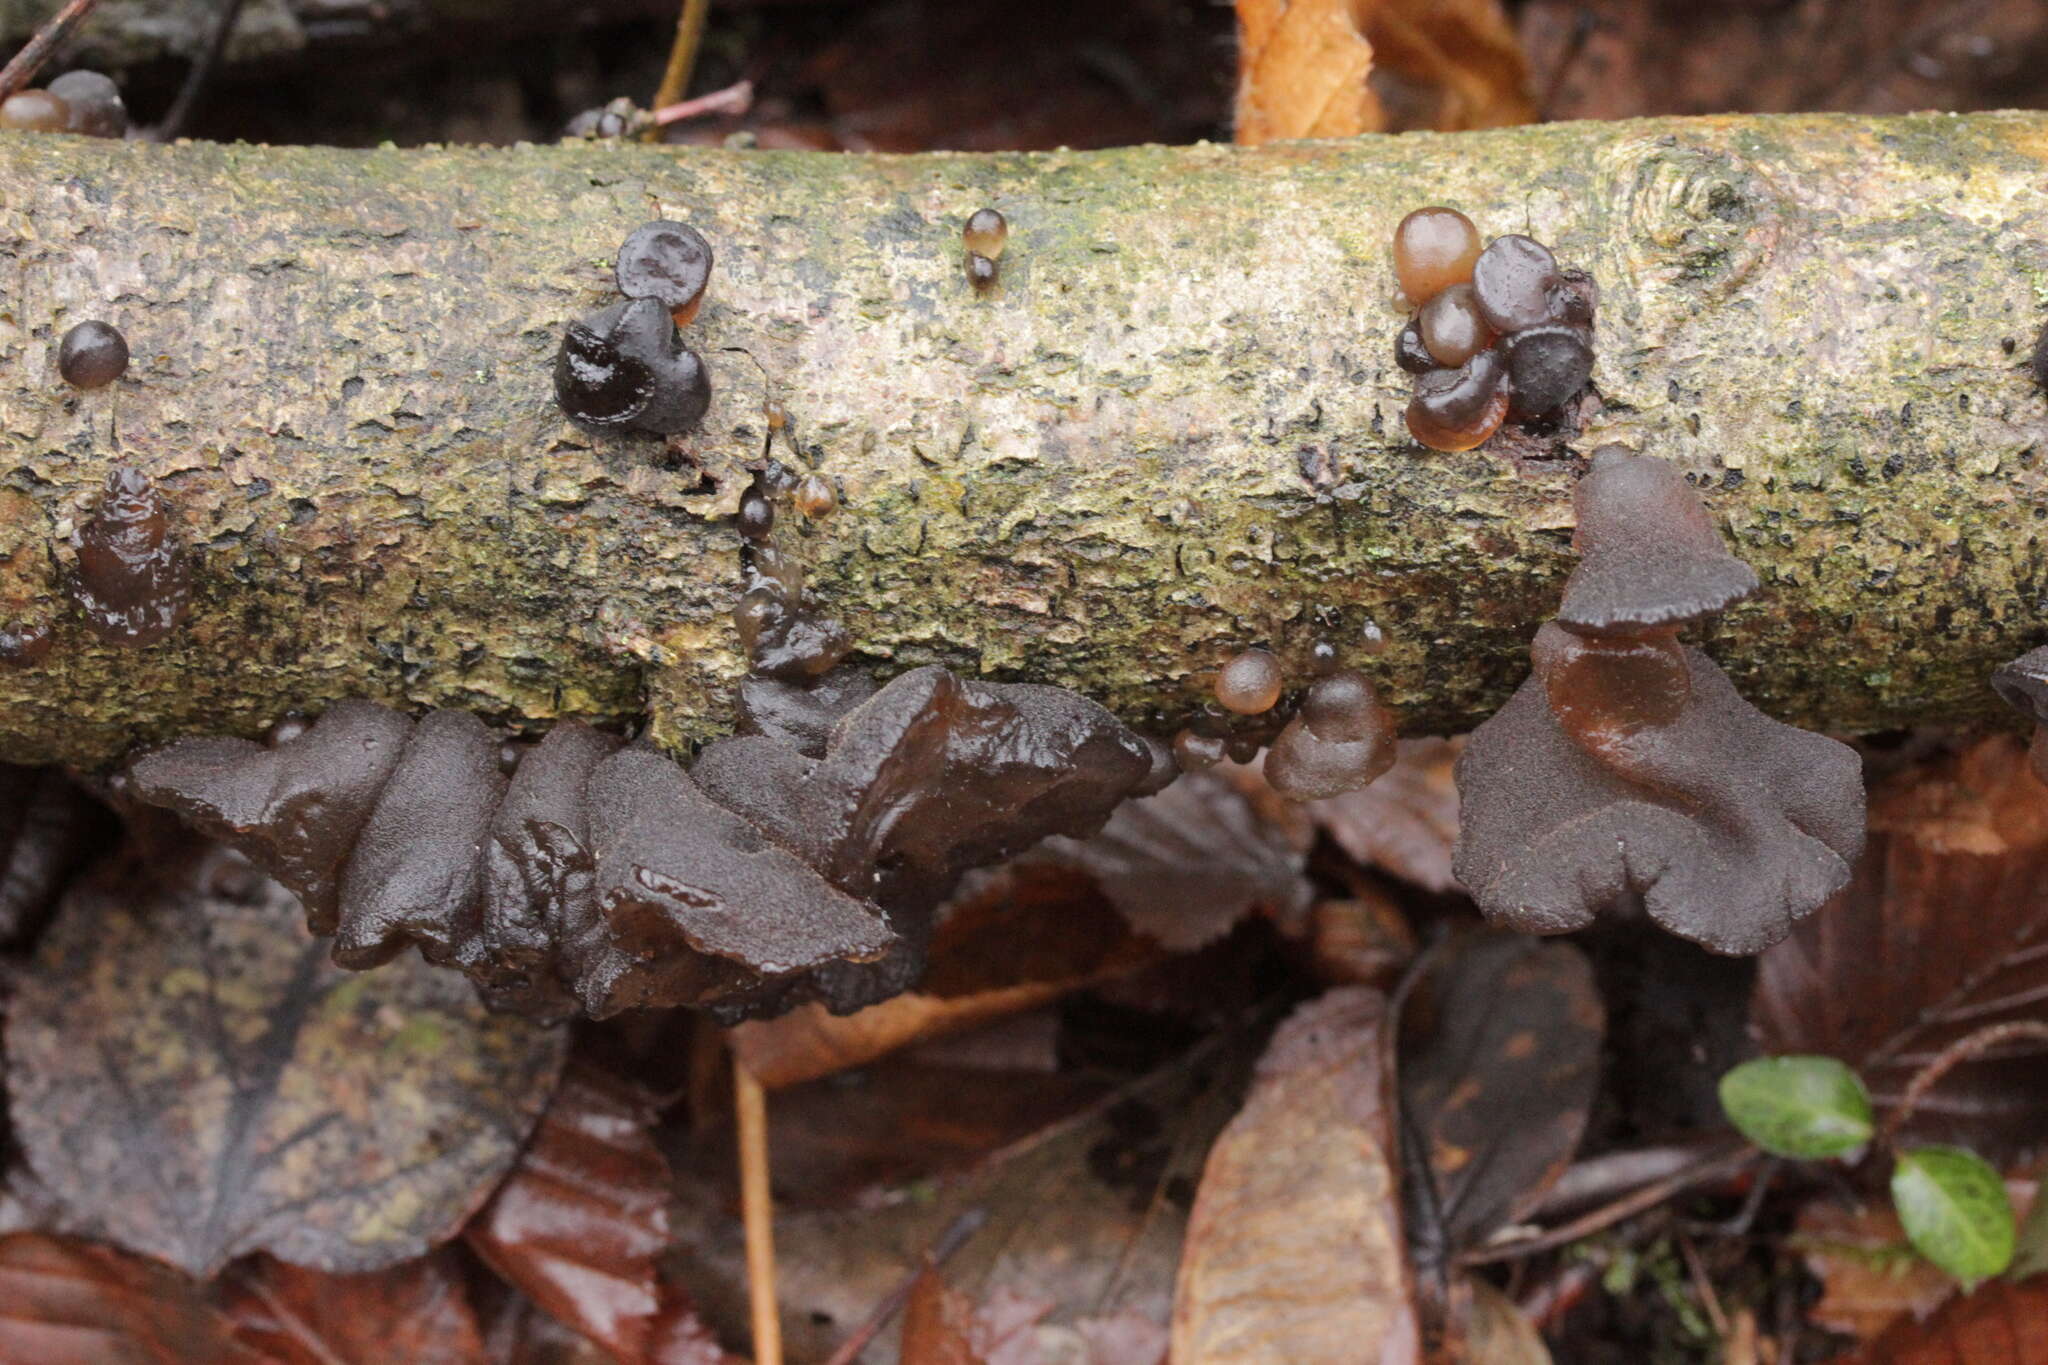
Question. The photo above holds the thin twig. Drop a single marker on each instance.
(16, 75)
(951, 1240)
(735, 99)
(682, 57)
(1966, 1048)
(202, 72)
(1700, 1173)
(757, 1212)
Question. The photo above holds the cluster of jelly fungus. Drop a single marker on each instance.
(782, 630)
(1627, 775)
(92, 355)
(1498, 332)
(131, 578)
(1339, 740)
(625, 368)
(82, 102)
(2024, 683)
(985, 235)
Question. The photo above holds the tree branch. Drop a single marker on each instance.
(1172, 430)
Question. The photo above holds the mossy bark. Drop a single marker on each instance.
(1172, 430)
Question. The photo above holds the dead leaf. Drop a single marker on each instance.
(938, 1325)
(1406, 820)
(66, 1302)
(1301, 67)
(1459, 63)
(578, 1223)
(417, 1313)
(1493, 1331)
(1294, 1250)
(1500, 1056)
(48, 828)
(1939, 933)
(1186, 865)
(2001, 1323)
(188, 1071)
(1364, 940)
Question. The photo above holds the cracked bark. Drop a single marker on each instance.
(1172, 431)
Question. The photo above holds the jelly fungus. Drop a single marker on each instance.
(981, 271)
(669, 263)
(756, 514)
(95, 104)
(2024, 683)
(814, 497)
(92, 355)
(985, 235)
(35, 111)
(1458, 409)
(1512, 283)
(1452, 330)
(1250, 683)
(1627, 773)
(1194, 751)
(1546, 366)
(1340, 740)
(1409, 352)
(625, 368)
(1434, 248)
(131, 578)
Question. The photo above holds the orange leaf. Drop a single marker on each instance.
(1302, 66)
(65, 1302)
(418, 1312)
(938, 1324)
(1462, 55)
(2000, 1324)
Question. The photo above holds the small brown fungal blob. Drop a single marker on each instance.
(626, 368)
(92, 355)
(35, 111)
(986, 233)
(1434, 248)
(1452, 330)
(756, 514)
(1340, 740)
(814, 497)
(776, 415)
(1458, 409)
(669, 263)
(981, 270)
(94, 102)
(2024, 684)
(1323, 657)
(1409, 352)
(1627, 772)
(131, 578)
(1512, 283)
(1250, 683)
(1194, 751)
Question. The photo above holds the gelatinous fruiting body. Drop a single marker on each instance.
(669, 263)
(986, 233)
(814, 497)
(1452, 330)
(34, 111)
(94, 102)
(1546, 366)
(1512, 283)
(2024, 683)
(92, 355)
(1627, 772)
(1194, 751)
(131, 578)
(1409, 352)
(756, 514)
(626, 368)
(1458, 409)
(981, 270)
(1250, 683)
(1434, 248)
(1340, 740)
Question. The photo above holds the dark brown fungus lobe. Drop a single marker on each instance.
(1250, 683)
(814, 497)
(1341, 739)
(1627, 773)
(1546, 366)
(92, 355)
(1194, 751)
(1574, 298)
(1409, 352)
(986, 233)
(981, 270)
(1513, 282)
(1434, 248)
(24, 642)
(34, 111)
(94, 102)
(756, 514)
(131, 578)
(2024, 683)
(1650, 554)
(625, 368)
(669, 263)
(1452, 330)
(1458, 409)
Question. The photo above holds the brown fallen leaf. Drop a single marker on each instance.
(1939, 933)
(1294, 1249)
(1302, 68)
(1492, 1331)
(417, 1312)
(938, 1324)
(1459, 64)
(66, 1302)
(48, 828)
(1500, 1054)
(943, 1327)
(579, 1222)
(1363, 940)
(189, 1073)
(1406, 820)
(2001, 1323)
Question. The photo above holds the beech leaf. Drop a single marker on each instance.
(418, 1313)
(189, 1073)
(1802, 1107)
(2001, 1323)
(1954, 1208)
(66, 1302)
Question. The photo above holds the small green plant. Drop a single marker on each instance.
(1951, 1202)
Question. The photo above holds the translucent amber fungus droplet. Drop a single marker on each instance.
(1606, 690)
(92, 355)
(981, 270)
(986, 233)
(815, 498)
(1458, 409)
(95, 104)
(1250, 683)
(1452, 330)
(35, 111)
(1434, 248)
(1344, 707)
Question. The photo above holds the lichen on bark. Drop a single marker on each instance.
(1171, 431)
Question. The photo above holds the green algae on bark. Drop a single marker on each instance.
(1170, 432)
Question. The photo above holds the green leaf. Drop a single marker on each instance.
(1955, 1211)
(1805, 1107)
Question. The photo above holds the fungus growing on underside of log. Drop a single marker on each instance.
(131, 579)
(2024, 683)
(1627, 773)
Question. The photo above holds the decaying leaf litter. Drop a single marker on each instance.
(1229, 1078)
